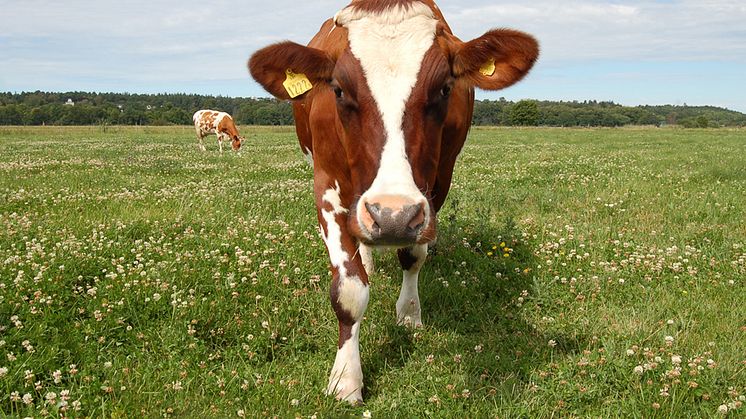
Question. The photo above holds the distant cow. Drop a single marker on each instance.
(214, 122)
(383, 99)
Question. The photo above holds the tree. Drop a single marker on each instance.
(524, 113)
(10, 115)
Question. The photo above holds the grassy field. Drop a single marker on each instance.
(578, 273)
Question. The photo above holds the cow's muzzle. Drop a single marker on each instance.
(392, 220)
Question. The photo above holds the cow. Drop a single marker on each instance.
(383, 99)
(215, 122)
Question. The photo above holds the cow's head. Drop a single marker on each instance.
(237, 142)
(391, 86)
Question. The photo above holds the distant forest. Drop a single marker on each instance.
(81, 108)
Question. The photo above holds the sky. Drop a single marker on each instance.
(630, 52)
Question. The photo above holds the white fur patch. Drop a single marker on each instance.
(333, 236)
(346, 378)
(333, 197)
(408, 310)
(391, 47)
(353, 294)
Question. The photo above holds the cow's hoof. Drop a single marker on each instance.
(410, 321)
(408, 313)
(347, 389)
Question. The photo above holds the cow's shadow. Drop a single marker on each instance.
(473, 301)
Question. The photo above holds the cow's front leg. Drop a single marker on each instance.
(408, 310)
(220, 143)
(349, 297)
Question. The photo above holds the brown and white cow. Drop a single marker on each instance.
(215, 122)
(383, 101)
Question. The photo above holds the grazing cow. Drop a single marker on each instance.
(383, 99)
(215, 122)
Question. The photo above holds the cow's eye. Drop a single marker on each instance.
(445, 91)
(338, 92)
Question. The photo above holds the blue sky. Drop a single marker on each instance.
(631, 52)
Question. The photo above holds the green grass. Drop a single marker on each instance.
(190, 284)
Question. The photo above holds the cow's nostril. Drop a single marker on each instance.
(374, 210)
(418, 219)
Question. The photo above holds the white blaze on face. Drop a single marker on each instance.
(391, 47)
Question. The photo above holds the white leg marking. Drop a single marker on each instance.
(333, 236)
(353, 296)
(408, 312)
(366, 254)
(346, 378)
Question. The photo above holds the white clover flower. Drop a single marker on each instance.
(723, 409)
(675, 359)
(3, 372)
(639, 370)
(367, 414)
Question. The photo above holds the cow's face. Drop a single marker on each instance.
(236, 142)
(392, 86)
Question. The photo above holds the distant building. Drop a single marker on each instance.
(69, 103)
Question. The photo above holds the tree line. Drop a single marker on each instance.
(82, 108)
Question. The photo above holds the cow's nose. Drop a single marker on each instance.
(392, 220)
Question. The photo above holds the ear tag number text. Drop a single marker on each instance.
(296, 84)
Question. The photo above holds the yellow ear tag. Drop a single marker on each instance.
(488, 69)
(296, 84)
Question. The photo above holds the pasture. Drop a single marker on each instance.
(578, 273)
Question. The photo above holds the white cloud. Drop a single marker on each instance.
(152, 43)
(636, 30)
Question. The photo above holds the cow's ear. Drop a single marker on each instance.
(288, 70)
(496, 59)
